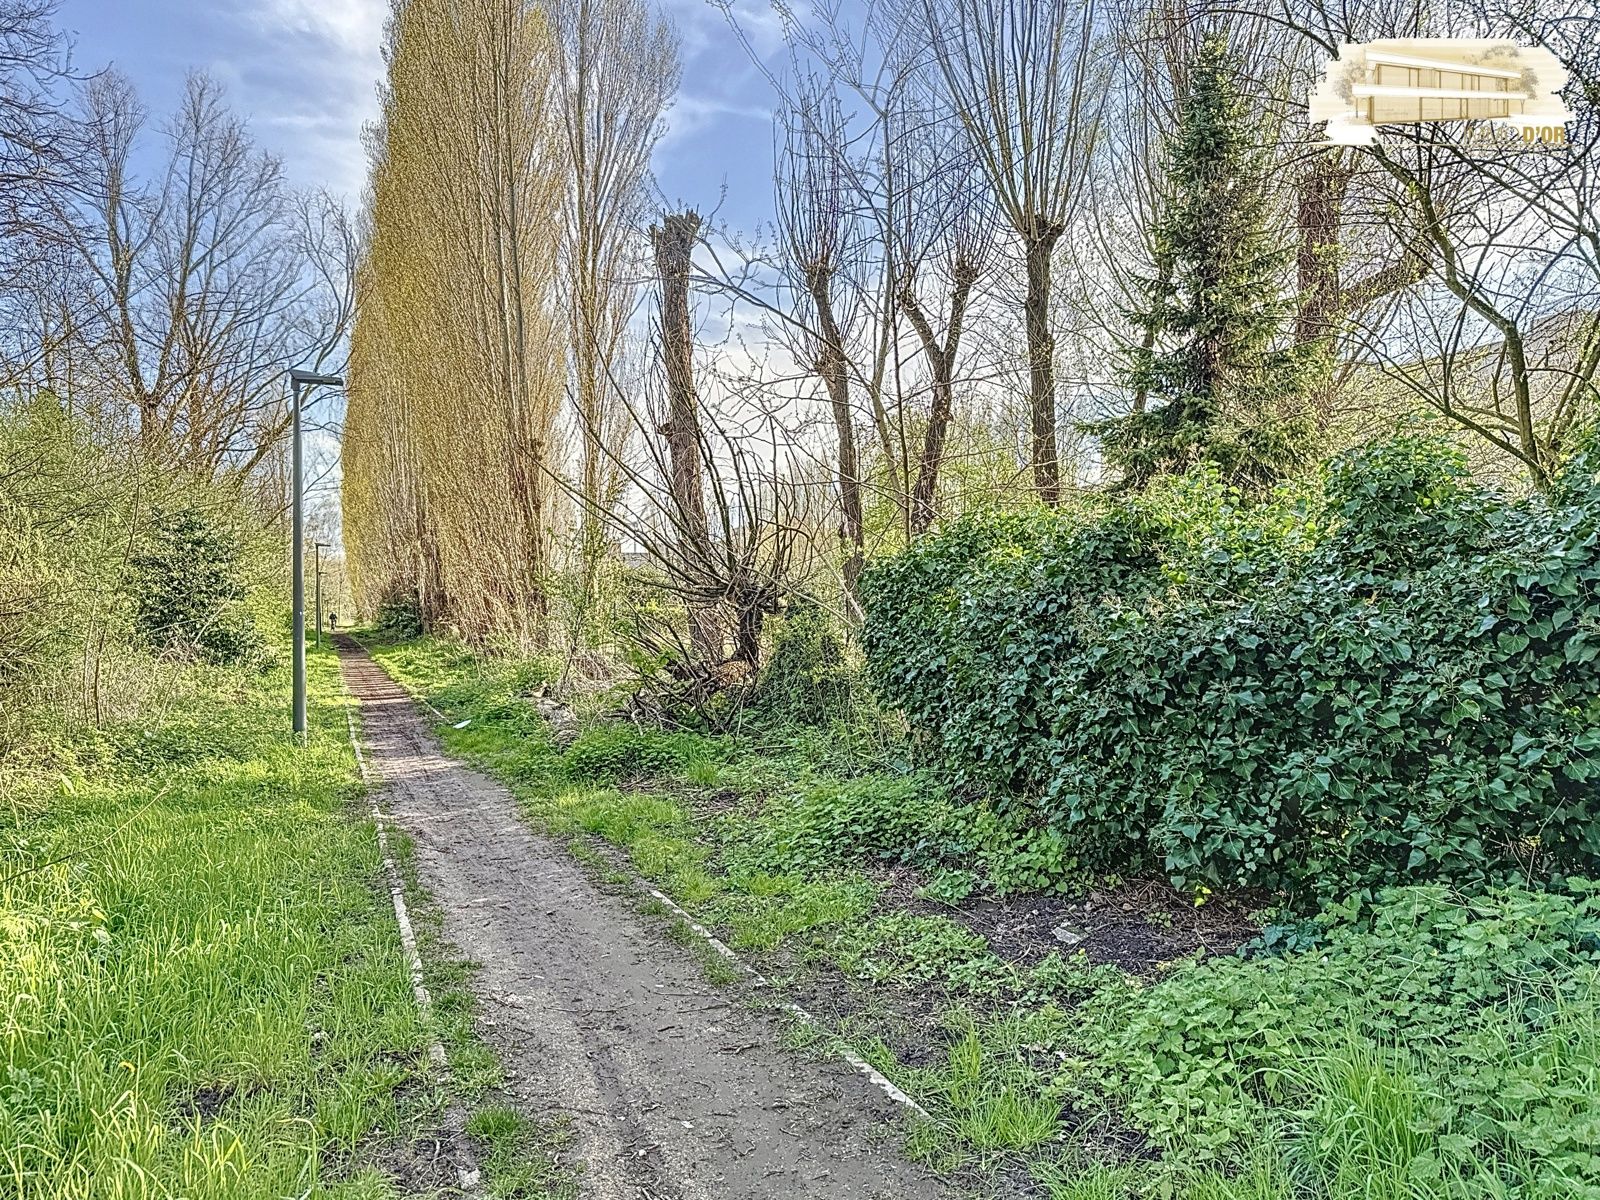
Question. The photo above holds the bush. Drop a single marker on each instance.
(891, 818)
(807, 679)
(1390, 677)
(188, 586)
(627, 754)
(399, 618)
(65, 510)
(107, 565)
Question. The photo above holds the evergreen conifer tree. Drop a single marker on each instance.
(1225, 382)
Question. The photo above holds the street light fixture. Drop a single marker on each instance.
(297, 381)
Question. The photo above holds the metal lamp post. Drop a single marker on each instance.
(297, 381)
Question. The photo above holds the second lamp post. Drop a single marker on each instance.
(299, 380)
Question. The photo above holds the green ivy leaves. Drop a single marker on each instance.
(1390, 676)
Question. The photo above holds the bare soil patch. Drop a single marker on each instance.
(1138, 926)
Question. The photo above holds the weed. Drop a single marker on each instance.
(991, 1100)
(883, 817)
(520, 1158)
(625, 754)
(767, 909)
(910, 951)
(1088, 1182)
(717, 968)
(800, 1035)
(949, 885)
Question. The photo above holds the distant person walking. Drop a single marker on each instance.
(333, 620)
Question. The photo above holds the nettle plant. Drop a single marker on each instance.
(1388, 676)
(1470, 1022)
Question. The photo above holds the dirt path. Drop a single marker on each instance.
(676, 1089)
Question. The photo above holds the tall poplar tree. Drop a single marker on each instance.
(456, 376)
(1225, 379)
(617, 71)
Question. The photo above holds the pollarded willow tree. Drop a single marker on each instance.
(1022, 79)
(820, 228)
(456, 374)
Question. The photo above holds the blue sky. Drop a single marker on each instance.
(305, 74)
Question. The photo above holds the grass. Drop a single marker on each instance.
(523, 1156)
(1419, 1046)
(202, 989)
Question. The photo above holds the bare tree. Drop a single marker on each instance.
(928, 211)
(720, 509)
(817, 221)
(867, 127)
(1348, 258)
(181, 301)
(37, 138)
(1019, 75)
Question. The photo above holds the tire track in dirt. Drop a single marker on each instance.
(675, 1089)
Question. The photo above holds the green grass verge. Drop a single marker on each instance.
(202, 989)
(1415, 1046)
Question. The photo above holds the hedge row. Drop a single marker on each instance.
(1388, 675)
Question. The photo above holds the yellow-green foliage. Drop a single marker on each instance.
(455, 379)
(113, 575)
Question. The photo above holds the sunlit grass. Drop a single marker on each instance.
(201, 993)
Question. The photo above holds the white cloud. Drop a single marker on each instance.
(764, 25)
(355, 26)
(313, 86)
(691, 114)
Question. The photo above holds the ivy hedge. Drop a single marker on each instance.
(1385, 674)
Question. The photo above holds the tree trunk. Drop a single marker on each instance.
(752, 616)
(674, 241)
(831, 366)
(1043, 453)
(1320, 213)
(941, 368)
(924, 491)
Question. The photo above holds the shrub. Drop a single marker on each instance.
(188, 586)
(626, 753)
(895, 818)
(65, 510)
(1391, 677)
(399, 618)
(807, 679)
